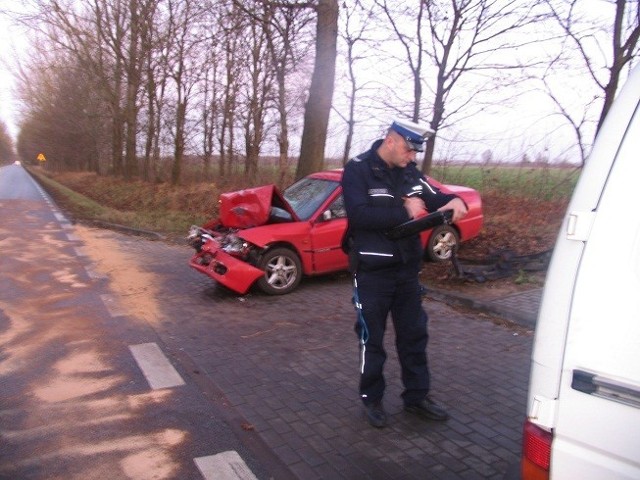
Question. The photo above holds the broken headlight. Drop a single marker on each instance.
(234, 245)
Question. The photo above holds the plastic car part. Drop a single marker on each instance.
(536, 457)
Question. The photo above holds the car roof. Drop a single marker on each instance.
(334, 174)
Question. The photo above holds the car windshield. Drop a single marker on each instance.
(307, 194)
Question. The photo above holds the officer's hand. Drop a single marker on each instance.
(459, 209)
(415, 207)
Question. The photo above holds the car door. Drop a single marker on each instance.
(326, 238)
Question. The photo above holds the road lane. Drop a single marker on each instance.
(73, 402)
(16, 184)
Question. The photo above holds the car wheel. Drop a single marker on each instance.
(282, 271)
(442, 243)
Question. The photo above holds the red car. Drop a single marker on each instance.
(270, 238)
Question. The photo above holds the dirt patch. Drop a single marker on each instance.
(443, 277)
(513, 228)
(134, 287)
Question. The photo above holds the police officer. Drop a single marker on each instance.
(383, 188)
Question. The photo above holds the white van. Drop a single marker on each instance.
(583, 412)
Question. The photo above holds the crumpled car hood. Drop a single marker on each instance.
(251, 207)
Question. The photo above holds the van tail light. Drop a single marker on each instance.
(536, 452)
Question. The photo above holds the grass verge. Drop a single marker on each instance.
(83, 208)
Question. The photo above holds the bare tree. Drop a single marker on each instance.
(357, 23)
(105, 37)
(577, 124)
(160, 90)
(399, 17)
(6, 143)
(461, 37)
(256, 82)
(94, 34)
(285, 33)
(316, 115)
(58, 120)
(141, 14)
(110, 22)
(256, 94)
(284, 26)
(154, 38)
(184, 70)
(132, 66)
(210, 103)
(616, 25)
(231, 30)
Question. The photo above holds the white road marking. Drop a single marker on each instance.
(94, 274)
(224, 466)
(114, 309)
(155, 366)
(59, 217)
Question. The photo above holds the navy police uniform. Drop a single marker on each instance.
(386, 271)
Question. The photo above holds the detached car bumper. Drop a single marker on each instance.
(231, 272)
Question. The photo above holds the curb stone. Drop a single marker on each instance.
(520, 308)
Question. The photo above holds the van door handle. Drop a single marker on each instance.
(579, 225)
(607, 388)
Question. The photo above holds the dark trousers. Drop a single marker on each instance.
(396, 291)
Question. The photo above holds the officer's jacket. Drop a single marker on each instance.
(373, 197)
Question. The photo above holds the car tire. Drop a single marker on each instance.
(443, 241)
(282, 271)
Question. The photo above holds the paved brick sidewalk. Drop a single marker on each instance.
(520, 308)
(287, 367)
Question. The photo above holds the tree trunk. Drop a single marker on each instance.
(436, 121)
(117, 142)
(148, 148)
(117, 132)
(351, 120)
(316, 115)
(283, 135)
(178, 153)
(133, 81)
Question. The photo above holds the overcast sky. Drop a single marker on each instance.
(5, 76)
(11, 42)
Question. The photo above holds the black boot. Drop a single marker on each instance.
(376, 414)
(427, 409)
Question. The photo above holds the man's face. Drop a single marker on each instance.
(401, 154)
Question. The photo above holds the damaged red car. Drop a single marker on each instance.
(273, 239)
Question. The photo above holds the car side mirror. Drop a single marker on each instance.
(326, 215)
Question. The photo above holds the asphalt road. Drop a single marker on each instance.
(269, 383)
(88, 391)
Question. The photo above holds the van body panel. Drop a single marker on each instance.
(574, 462)
(604, 328)
(550, 334)
(586, 354)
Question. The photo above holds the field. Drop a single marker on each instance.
(523, 208)
(532, 181)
